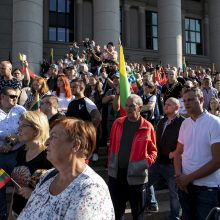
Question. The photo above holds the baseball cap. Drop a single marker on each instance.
(54, 66)
(117, 75)
(207, 77)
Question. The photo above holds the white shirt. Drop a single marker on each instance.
(9, 122)
(197, 138)
(86, 198)
(63, 102)
(182, 109)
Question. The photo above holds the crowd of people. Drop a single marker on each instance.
(52, 126)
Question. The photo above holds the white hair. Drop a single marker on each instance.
(137, 99)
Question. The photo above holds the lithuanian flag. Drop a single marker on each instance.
(4, 178)
(51, 56)
(184, 64)
(32, 75)
(124, 84)
(35, 104)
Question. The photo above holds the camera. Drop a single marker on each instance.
(88, 45)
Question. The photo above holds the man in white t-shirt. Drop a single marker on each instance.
(197, 158)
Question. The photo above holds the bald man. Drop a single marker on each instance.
(166, 138)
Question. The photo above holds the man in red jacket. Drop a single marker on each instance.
(132, 151)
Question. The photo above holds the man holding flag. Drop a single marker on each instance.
(132, 150)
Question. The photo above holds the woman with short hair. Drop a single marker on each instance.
(75, 191)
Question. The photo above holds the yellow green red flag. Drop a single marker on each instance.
(4, 178)
(124, 84)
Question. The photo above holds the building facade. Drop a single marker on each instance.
(151, 31)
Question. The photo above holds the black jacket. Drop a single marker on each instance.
(167, 141)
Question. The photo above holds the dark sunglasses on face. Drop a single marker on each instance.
(148, 86)
(187, 86)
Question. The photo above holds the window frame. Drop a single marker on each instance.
(67, 15)
(191, 36)
(150, 29)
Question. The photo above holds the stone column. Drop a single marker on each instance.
(127, 28)
(170, 32)
(106, 21)
(206, 29)
(27, 36)
(79, 20)
(214, 28)
(142, 26)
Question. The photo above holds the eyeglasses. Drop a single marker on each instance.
(24, 126)
(130, 106)
(12, 96)
(43, 102)
(148, 86)
(186, 86)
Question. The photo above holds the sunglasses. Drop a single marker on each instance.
(148, 86)
(186, 86)
(12, 96)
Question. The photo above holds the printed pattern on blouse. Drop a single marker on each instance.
(86, 198)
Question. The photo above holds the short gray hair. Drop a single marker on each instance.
(137, 99)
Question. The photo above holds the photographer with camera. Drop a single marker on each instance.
(94, 58)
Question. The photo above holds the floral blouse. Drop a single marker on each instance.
(86, 198)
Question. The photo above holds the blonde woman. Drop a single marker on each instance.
(214, 106)
(39, 88)
(172, 88)
(33, 132)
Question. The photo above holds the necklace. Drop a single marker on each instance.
(169, 90)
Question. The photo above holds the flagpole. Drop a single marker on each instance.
(15, 183)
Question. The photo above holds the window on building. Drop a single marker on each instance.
(151, 30)
(61, 21)
(193, 36)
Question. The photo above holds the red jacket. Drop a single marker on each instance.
(143, 151)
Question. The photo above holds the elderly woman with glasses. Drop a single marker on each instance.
(33, 132)
(73, 190)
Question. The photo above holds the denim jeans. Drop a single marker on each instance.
(198, 202)
(151, 200)
(7, 162)
(166, 171)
